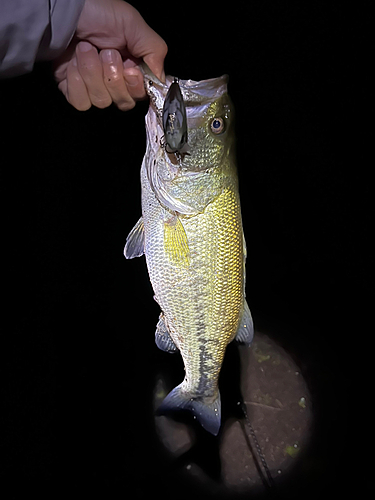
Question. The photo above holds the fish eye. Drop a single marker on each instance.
(217, 125)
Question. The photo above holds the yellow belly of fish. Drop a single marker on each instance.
(201, 294)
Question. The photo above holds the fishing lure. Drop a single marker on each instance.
(174, 119)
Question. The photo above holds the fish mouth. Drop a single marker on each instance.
(149, 75)
(197, 97)
(195, 93)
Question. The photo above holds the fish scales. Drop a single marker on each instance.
(204, 299)
(194, 244)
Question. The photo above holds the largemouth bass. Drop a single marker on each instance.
(191, 234)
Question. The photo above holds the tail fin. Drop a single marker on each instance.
(208, 415)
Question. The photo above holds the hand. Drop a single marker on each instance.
(87, 77)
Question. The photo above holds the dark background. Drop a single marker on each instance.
(80, 360)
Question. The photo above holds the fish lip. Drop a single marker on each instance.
(149, 75)
(204, 90)
(192, 90)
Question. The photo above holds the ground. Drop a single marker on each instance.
(279, 407)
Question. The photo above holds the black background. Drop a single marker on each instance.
(80, 360)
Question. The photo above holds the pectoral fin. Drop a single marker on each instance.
(245, 332)
(135, 242)
(162, 337)
(175, 242)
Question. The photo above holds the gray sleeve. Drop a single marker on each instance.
(34, 30)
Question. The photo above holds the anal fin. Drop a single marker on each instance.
(245, 332)
(162, 337)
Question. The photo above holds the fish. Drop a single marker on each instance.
(191, 234)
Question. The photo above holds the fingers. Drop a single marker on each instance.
(123, 87)
(76, 91)
(88, 78)
(100, 79)
(135, 83)
(91, 71)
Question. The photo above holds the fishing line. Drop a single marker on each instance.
(267, 479)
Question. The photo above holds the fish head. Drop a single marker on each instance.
(210, 124)
(202, 143)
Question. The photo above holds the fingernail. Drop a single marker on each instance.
(131, 80)
(84, 46)
(108, 56)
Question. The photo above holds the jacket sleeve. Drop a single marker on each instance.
(34, 30)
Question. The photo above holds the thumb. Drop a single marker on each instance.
(144, 43)
(155, 61)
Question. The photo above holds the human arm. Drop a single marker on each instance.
(34, 30)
